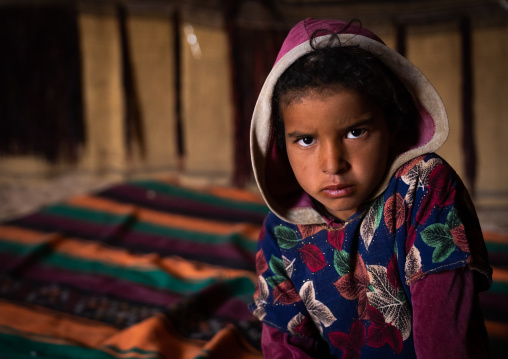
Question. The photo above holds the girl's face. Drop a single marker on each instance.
(338, 146)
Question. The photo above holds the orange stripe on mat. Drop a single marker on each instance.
(220, 191)
(157, 334)
(78, 248)
(53, 325)
(176, 266)
(170, 220)
(500, 275)
(228, 343)
(153, 334)
(21, 235)
(100, 252)
(498, 330)
(495, 237)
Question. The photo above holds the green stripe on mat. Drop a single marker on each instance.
(111, 220)
(16, 347)
(198, 237)
(155, 278)
(499, 287)
(497, 247)
(207, 198)
(134, 350)
(205, 354)
(88, 215)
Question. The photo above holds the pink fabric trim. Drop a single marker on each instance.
(427, 126)
(304, 201)
(302, 32)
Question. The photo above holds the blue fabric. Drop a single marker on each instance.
(349, 282)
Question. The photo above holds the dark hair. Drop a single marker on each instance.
(350, 68)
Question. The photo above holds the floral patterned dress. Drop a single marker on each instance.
(350, 282)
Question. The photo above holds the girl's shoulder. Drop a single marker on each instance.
(422, 165)
(424, 175)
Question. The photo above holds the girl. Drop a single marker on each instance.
(372, 248)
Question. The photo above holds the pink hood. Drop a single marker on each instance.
(272, 170)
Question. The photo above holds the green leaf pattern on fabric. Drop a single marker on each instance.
(439, 235)
(286, 237)
(341, 262)
(453, 220)
(274, 280)
(278, 268)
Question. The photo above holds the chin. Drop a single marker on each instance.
(341, 208)
(339, 212)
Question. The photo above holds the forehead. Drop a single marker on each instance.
(339, 107)
(311, 93)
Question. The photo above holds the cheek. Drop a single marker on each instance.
(301, 166)
(373, 158)
(380, 160)
(294, 162)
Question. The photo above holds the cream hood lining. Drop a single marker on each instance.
(411, 77)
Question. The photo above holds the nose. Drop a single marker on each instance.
(333, 158)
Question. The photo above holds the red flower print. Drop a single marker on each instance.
(441, 193)
(394, 212)
(302, 325)
(411, 236)
(354, 286)
(392, 271)
(308, 230)
(460, 238)
(350, 344)
(261, 265)
(381, 333)
(313, 257)
(262, 231)
(336, 238)
(406, 167)
(285, 293)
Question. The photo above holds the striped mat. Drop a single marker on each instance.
(150, 269)
(494, 302)
(145, 269)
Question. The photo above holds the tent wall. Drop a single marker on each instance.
(207, 107)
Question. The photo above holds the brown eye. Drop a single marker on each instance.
(306, 141)
(356, 133)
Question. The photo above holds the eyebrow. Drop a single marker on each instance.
(296, 134)
(360, 123)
